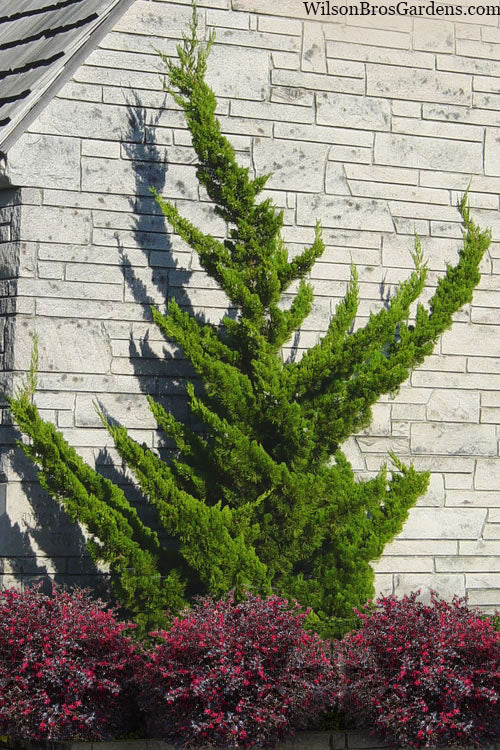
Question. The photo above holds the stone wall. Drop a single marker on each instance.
(373, 124)
(10, 211)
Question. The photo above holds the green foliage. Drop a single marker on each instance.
(264, 498)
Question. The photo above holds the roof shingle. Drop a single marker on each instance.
(41, 43)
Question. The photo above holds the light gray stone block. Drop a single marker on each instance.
(445, 363)
(434, 35)
(335, 179)
(321, 134)
(474, 381)
(435, 495)
(103, 202)
(399, 192)
(473, 498)
(405, 83)
(89, 438)
(162, 20)
(315, 81)
(286, 8)
(429, 547)
(80, 119)
(126, 409)
(50, 270)
(271, 111)
(123, 59)
(479, 547)
(469, 564)
(47, 224)
(104, 149)
(468, 440)
(438, 129)
(480, 598)
(86, 272)
(378, 37)
(469, 338)
(458, 481)
(259, 40)
(380, 424)
(134, 178)
(45, 161)
(383, 584)
(80, 92)
(413, 412)
(385, 56)
(403, 564)
(345, 213)
(374, 173)
(444, 523)
(89, 383)
(69, 289)
(64, 346)
(295, 166)
(453, 405)
(91, 256)
(345, 110)
(446, 585)
(427, 153)
(249, 71)
(313, 49)
(55, 400)
(398, 445)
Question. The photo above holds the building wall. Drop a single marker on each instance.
(374, 125)
(9, 270)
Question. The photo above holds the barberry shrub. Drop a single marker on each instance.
(235, 675)
(422, 674)
(66, 670)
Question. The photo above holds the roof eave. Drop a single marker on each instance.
(72, 62)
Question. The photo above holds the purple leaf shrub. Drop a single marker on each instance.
(422, 675)
(235, 675)
(66, 670)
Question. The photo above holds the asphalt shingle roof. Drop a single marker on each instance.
(41, 44)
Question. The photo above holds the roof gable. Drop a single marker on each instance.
(42, 42)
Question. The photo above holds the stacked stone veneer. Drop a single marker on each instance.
(374, 125)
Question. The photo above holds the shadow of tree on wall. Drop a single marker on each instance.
(169, 271)
(32, 545)
(34, 528)
(168, 274)
(152, 235)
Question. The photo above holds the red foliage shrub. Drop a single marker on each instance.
(422, 674)
(235, 674)
(65, 667)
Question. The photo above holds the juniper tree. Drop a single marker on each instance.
(263, 497)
